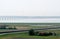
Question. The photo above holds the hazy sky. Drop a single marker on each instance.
(29, 7)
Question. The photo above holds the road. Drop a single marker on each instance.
(28, 30)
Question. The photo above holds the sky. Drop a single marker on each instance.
(30, 8)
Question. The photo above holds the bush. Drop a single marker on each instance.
(31, 32)
(37, 33)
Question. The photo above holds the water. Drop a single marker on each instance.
(30, 19)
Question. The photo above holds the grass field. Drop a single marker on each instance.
(25, 35)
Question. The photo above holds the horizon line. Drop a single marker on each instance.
(29, 16)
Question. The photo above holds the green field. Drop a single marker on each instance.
(25, 35)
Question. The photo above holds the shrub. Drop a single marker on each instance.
(31, 32)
